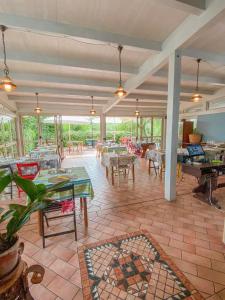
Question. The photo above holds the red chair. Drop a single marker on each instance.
(27, 171)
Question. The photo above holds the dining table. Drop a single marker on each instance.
(109, 148)
(114, 149)
(159, 156)
(112, 160)
(45, 162)
(42, 151)
(78, 176)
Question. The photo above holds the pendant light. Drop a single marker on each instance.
(37, 109)
(196, 97)
(6, 83)
(92, 111)
(137, 112)
(120, 92)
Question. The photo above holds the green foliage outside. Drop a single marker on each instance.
(82, 132)
(114, 131)
(7, 136)
(30, 133)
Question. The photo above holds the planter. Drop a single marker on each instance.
(10, 258)
(195, 138)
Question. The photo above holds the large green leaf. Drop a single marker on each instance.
(39, 197)
(6, 215)
(27, 186)
(4, 181)
(17, 207)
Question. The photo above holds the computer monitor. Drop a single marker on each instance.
(195, 150)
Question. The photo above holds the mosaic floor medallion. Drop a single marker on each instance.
(132, 266)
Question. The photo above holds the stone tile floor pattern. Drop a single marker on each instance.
(132, 266)
(189, 231)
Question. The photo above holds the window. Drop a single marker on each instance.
(120, 127)
(8, 145)
(152, 129)
(30, 133)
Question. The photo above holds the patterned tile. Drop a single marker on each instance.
(131, 266)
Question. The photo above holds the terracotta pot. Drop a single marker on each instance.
(10, 258)
(195, 138)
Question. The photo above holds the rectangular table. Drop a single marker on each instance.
(45, 162)
(78, 176)
(159, 156)
(111, 160)
(114, 149)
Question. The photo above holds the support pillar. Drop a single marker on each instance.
(163, 144)
(102, 128)
(172, 124)
(19, 136)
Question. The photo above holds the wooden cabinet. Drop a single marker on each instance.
(186, 128)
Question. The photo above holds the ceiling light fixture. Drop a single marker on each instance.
(196, 97)
(137, 112)
(92, 111)
(6, 83)
(37, 109)
(120, 92)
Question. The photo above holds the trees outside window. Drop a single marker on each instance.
(8, 146)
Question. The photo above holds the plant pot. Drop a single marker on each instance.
(195, 138)
(10, 258)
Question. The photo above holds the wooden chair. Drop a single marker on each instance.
(27, 171)
(123, 166)
(152, 160)
(56, 206)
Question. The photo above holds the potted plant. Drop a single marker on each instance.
(16, 216)
(195, 137)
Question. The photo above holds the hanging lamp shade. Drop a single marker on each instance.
(137, 112)
(120, 92)
(196, 97)
(37, 109)
(6, 83)
(92, 111)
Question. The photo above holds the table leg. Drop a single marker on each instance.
(161, 171)
(39, 223)
(149, 166)
(133, 172)
(85, 212)
(112, 175)
(81, 203)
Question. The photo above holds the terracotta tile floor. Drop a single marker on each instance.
(188, 230)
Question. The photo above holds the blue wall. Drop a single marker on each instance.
(212, 127)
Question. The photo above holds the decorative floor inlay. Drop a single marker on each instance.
(131, 266)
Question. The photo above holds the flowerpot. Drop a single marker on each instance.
(195, 138)
(10, 258)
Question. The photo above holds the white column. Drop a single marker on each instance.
(102, 127)
(163, 144)
(172, 124)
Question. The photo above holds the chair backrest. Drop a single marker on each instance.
(28, 170)
(7, 168)
(124, 161)
(152, 154)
